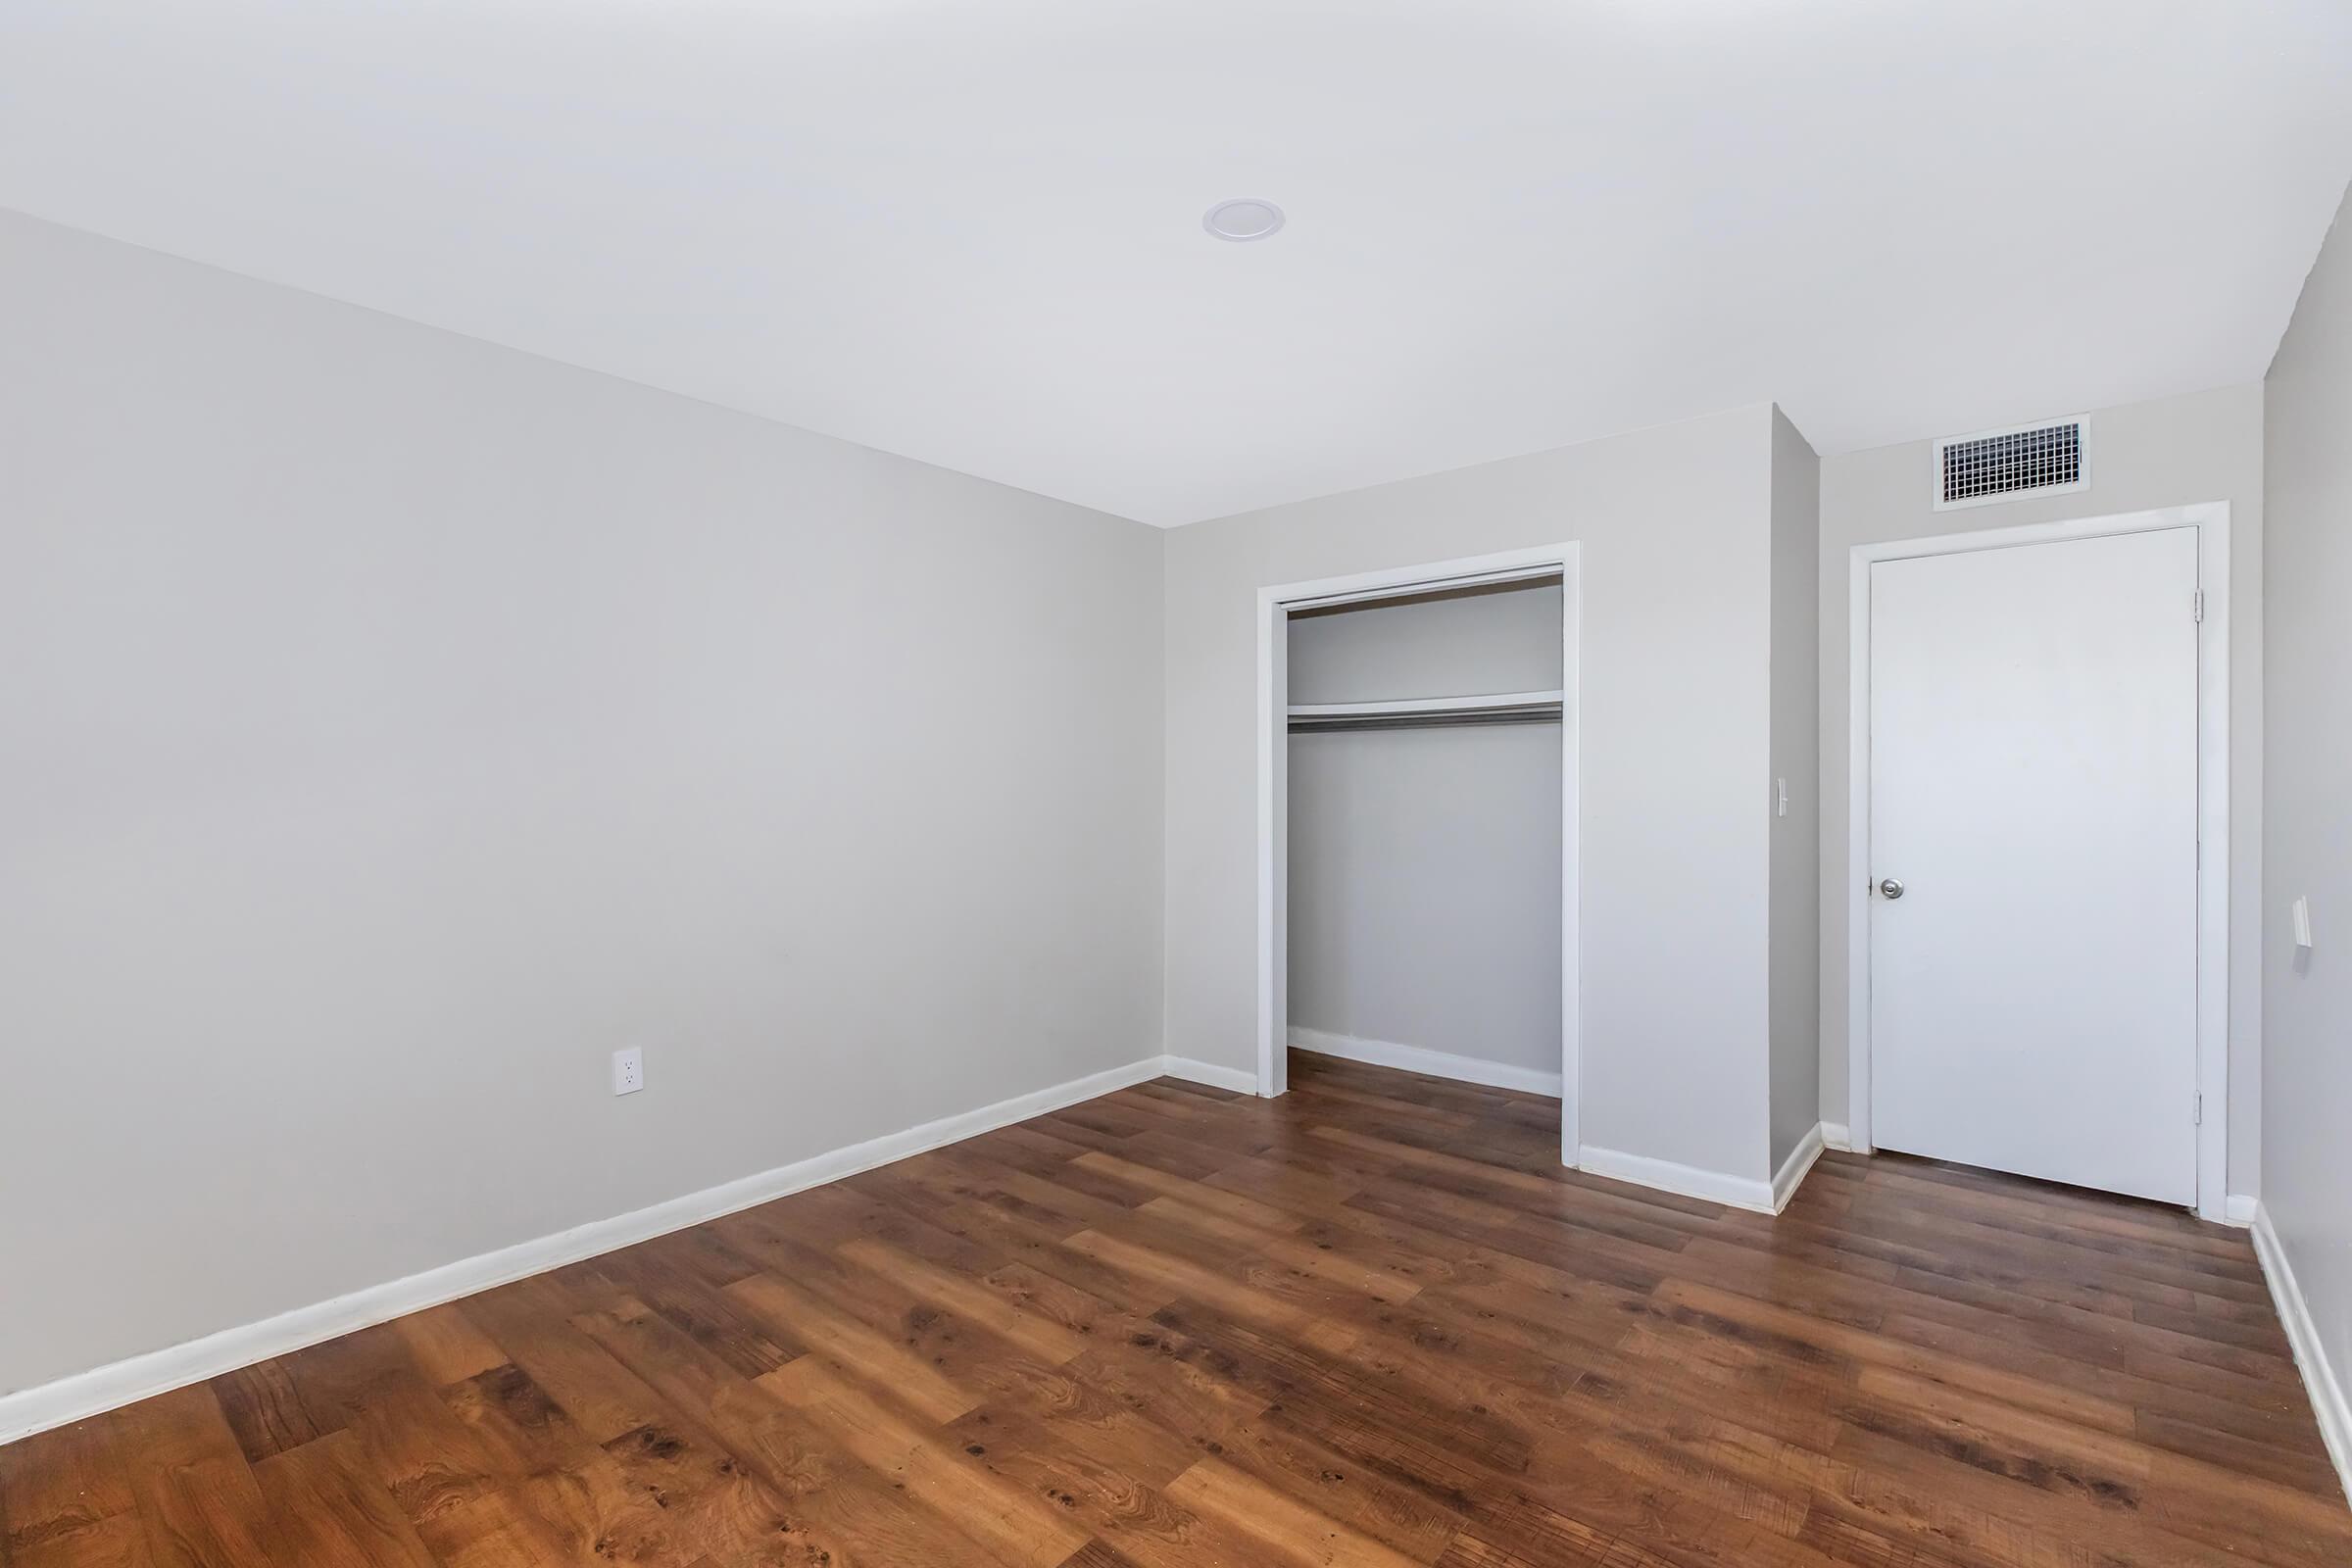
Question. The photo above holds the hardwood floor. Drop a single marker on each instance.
(1369, 1323)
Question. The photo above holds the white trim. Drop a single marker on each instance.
(1837, 1135)
(1273, 838)
(1740, 1191)
(1794, 1169)
(1274, 605)
(1423, 1060)
(140, 1376)
(2328, 1400)
(1572, 873)
(2241, 1209)
(1241, 1080)
(2211, 519)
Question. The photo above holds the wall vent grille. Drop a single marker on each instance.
(2031, 459)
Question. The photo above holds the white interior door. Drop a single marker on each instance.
(2034, 791)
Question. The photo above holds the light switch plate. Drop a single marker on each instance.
(2303, 922)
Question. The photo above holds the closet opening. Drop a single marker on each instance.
(1417, 810)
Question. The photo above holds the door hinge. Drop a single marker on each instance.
(2197, 606)
(2200, 1116)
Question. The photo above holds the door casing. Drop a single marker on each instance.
(1274, 606)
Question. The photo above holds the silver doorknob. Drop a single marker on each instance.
(1892, 888)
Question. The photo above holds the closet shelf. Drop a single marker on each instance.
(1495, 707)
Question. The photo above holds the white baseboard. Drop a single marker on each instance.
(1792, 1173)
(2328, 1399)
(1192, 1070)
(140, 1376)
(2239, 1209)
(1691, 1181)
(1740, 1191)
(1422, 1059)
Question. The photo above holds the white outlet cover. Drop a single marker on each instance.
(628, 1070)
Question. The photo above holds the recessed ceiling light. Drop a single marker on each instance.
(1245, 219)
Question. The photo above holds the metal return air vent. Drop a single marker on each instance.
(2034, 459)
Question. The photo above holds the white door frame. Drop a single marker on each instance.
(2211, 519)
(1274, 607)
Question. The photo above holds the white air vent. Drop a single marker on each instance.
(2028, 459)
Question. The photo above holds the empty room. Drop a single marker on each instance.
(876, 784)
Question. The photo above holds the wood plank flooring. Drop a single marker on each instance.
(1371, 1323)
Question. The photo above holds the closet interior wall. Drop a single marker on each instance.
(1424, 905)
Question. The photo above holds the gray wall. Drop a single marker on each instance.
(2307, 1012)
(1425, 864)
(1675, 531)
(395, 725)
(1464, 644)
(2206, 446)
(1797, 760)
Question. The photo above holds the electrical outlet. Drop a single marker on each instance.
(628, 1070)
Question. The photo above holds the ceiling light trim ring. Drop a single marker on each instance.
(1244, 219)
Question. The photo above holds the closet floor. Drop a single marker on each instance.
(1368, 1323)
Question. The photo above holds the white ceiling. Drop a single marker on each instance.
(971, 232)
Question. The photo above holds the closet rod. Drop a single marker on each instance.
(1458, 720)
(1408, 707)
(1423, 713)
